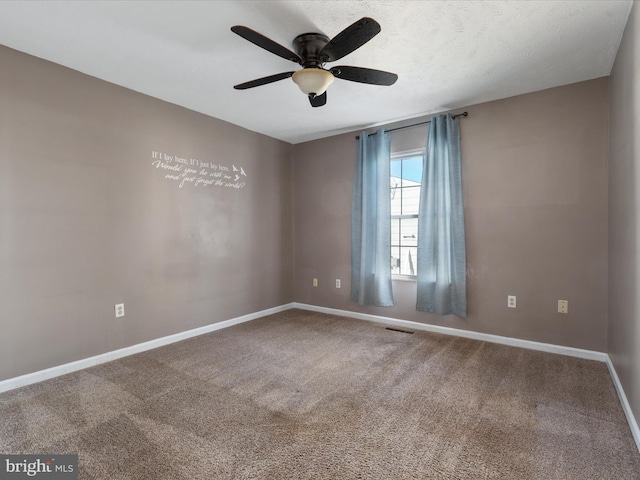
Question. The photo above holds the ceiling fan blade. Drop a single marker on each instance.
(364, 75)
(263, 81)
(318, 100)
(266, 43)
(351, 38)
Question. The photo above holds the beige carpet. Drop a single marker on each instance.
(302, 395)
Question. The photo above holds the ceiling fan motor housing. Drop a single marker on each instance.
(308, 46)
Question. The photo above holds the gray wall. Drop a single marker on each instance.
(624, 264)
(87, 221)
(535, 192)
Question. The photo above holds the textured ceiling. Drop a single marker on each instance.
(447, 54)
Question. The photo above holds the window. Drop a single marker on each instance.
(406, 182)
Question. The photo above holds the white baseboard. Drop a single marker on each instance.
(52, 372)
(486, 337)
(631, 419)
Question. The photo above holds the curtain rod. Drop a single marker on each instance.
(463, 114)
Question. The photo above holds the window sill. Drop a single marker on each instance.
(404, 278)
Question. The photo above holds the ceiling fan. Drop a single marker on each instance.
(312, 51)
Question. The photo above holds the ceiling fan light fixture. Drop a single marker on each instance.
(313, 81)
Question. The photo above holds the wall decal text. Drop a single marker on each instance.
(197, 173)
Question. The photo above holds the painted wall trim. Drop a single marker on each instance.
(52, 372)
(631, 419)
(486, 337)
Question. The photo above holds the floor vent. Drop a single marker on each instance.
(399, 330)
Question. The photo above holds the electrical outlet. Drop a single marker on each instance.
(563, 306)
(511, 301)
(337, 283)
(120, 310)
(315, 282)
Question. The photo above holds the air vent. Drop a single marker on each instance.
(399, 330)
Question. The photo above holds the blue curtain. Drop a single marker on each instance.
(371, 222)
(442, 284)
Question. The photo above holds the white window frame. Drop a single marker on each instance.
(396, 156)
